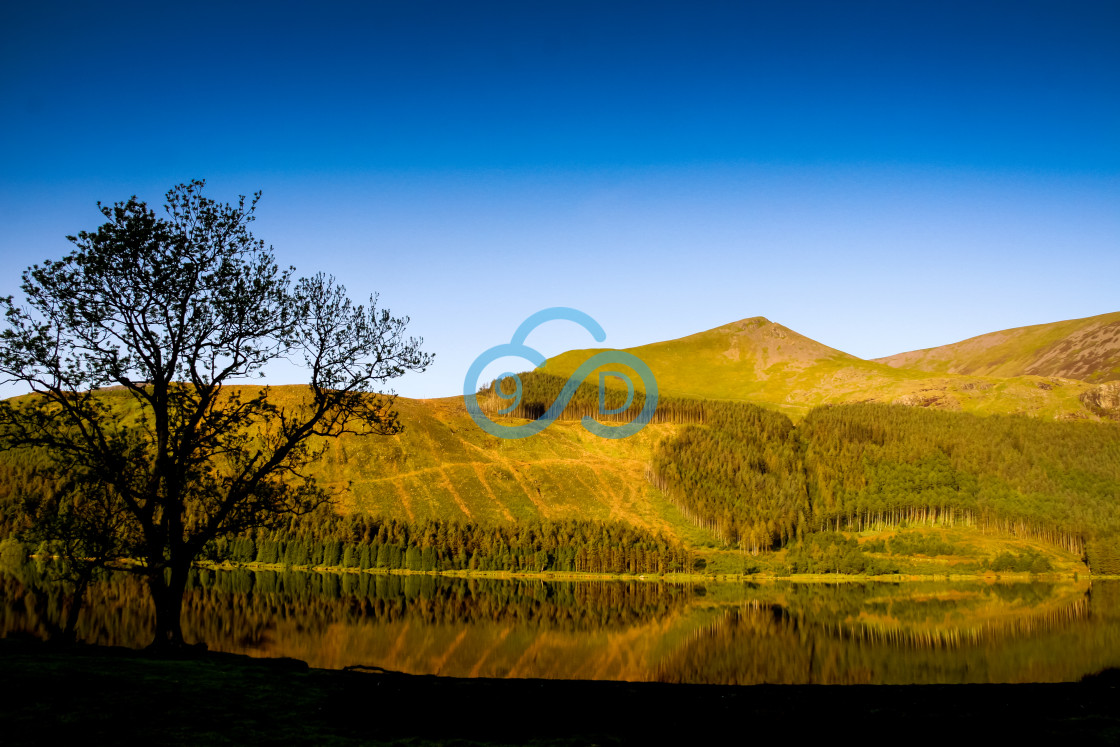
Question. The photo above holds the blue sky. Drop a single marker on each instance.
(877, 176)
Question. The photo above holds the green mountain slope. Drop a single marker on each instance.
(1086, 349)
(443, 466)
(759, 361)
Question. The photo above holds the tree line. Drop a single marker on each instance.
(872, 465)
(326, 539)
(540, 390)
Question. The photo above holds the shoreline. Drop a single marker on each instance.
(991, 577)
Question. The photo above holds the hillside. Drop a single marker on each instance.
(444, 467)
(713, 471)
(756, 360)
(1085, 349)
(748, 476)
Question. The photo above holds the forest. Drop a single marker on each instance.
(759, 482)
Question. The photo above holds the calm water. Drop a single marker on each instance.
(718, 633)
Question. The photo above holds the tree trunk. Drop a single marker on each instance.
(70, 632)
(167, 590)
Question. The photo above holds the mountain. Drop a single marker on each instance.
(739, 475)
(1085, 349)
(760, 361)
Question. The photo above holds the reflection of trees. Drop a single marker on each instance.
(242, 606)
(929, 612)
(734, 634)
(824, 635)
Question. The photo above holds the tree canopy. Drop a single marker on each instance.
(171, 312)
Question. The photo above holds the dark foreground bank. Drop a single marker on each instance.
(93, 695)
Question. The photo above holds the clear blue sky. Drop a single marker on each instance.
(879, 176)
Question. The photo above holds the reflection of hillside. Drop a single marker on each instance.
(732, 634)
(487, 650)
(417, 624)
(823, 635)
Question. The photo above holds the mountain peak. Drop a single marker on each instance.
(749, 322)
(758, 337)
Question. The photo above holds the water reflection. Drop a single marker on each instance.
(904, 634)
(730, 633)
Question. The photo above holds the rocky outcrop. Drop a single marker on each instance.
(934, 398)
(1104, 400)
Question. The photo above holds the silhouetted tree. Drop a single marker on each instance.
(170, 311)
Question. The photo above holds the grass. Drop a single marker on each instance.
(112, 696)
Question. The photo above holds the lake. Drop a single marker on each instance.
(725, 633)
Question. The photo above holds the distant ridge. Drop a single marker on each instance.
(757, 360)
(1085, 349)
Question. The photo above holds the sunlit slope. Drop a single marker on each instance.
(1086, 349)
(444, 466)
(759, 361)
